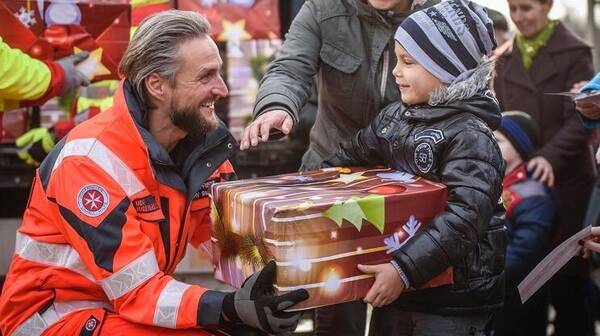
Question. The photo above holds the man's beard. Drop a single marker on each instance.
(189, 119)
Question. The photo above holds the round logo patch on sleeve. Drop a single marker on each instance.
(91, 324)
(92, 200)
(424, 157)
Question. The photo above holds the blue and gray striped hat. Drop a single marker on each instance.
(449, 39)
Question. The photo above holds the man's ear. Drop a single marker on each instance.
(156, 87)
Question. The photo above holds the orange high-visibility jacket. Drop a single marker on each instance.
(109, 217)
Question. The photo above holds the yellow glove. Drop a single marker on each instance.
(35, 145)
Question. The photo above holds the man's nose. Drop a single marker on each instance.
(220, 89)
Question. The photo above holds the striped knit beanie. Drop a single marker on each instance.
(450, 39)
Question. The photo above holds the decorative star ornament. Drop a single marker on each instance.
(234, 31)
(349, 178)
(92, 66)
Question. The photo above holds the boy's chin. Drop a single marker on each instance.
(409, 101)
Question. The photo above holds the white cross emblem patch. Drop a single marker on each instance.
(92, 200)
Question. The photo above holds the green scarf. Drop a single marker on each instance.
(530, 47)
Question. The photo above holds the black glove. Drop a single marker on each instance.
(255, 305)
(73, 77)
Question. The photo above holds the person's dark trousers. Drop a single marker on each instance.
(568, 289)
(569, 297)
(350, 319)
(592, 215)
(420, 324)
(517, 319)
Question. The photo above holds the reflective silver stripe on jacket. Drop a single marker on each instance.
(38, 323)
(167, 306)
(105, 159)
(58, 255)
(130, 276)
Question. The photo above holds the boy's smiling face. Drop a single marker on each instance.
(415, 83)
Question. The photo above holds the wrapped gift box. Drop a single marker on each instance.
(318, 226)
(49, 30)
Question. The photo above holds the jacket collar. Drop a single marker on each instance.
(514, 71)
(189, 153)
(563, 39)
(484, 106)
(140, 116)
(515, 176)
(543, 66)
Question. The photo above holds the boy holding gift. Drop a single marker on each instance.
(442, 131)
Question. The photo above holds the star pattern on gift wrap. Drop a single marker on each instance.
(26, 16)
(398, 176)
(349, 178)
(96, 56)
(234, 31)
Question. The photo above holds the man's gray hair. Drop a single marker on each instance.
(154, 47)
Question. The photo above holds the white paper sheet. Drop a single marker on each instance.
(588, 97)
(551, 264)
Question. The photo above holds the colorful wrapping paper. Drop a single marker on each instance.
(49, 30)
(318, 226)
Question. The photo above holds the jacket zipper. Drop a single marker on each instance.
(384, 73)
(171, 263)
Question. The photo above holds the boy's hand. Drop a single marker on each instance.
(387, 287)
(542, 170)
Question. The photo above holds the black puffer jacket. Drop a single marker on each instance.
(454, 145)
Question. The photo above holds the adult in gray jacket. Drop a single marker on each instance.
(348, 44)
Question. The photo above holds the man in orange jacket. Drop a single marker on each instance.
(114, 205)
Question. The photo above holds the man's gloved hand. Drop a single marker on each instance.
(73, 77)
(255, 305)
(35, 145)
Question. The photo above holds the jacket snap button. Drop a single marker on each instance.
(383, 130)
(208, 164)
(396, 144)
(229, 145)
(407, 114)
